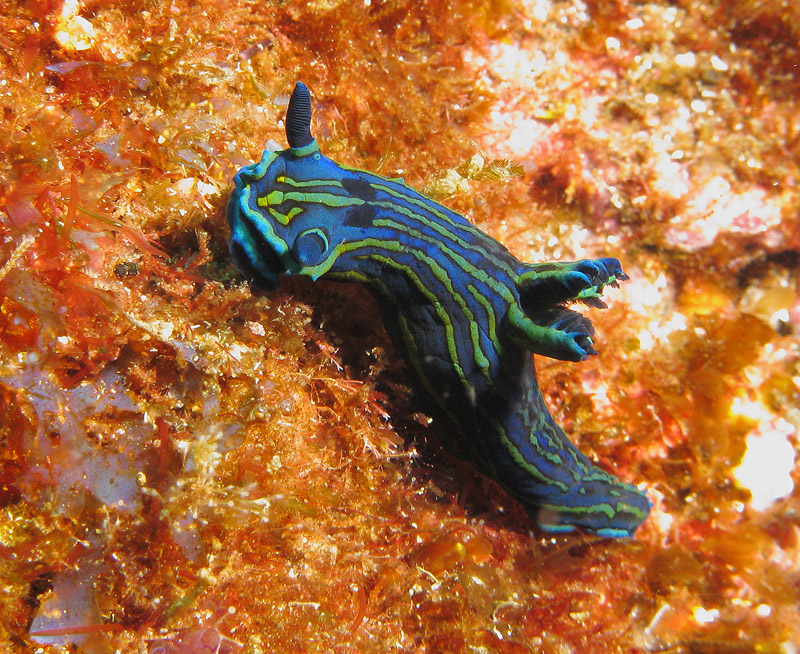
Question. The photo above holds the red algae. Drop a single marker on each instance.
(189, 466)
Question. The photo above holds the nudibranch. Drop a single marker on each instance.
(463, 311)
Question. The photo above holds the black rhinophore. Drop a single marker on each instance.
(298, 117)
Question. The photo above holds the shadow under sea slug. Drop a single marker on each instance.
(464, 312)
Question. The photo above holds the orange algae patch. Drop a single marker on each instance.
(187, 466)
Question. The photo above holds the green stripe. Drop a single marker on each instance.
(276, 198)
(285, 179)
(428, 205)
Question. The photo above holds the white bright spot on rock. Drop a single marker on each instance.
(767, 464)
(643, 295)
(657, 332)
(704, 616)
(184, 185)
(511, 63)
(539, 9)
(74, 32)
(664, 521)
(742, 406)
(715, 208)
(256, 327)
(205, 189)
(522, 132)
(718, 64)
(670, 178)
(698, 106)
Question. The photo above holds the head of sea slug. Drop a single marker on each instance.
(269, 236)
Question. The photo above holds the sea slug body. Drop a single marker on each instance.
(462, 310)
